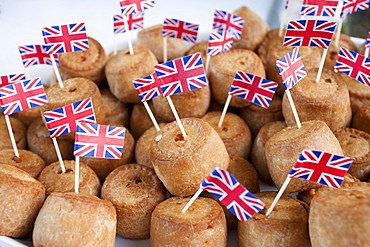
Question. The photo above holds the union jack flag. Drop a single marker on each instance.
(367, 44)
(253, 88)
(320, 167)
(66, 38)
(174, 28)
(63, 120)
(147, 87)
(223, 20)
(133, 6)
(99, 141)
(309, 33)
(8, 79)
(135, 21)
(291, 68)
(242, 203)
(354, 65)
(319, 7)
(351, 6)
(36, 54)
(22, 95)
(182, 74)
(219, 41)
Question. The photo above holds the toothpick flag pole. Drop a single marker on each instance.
(56, 71)
(77, 173)
(367, 45)
(10, 130)
(151, 115)
(165, 49)
(340, 23)
(280, 193)
(283, 16)
(176, 116)
(319, 72)
(224, 110)
(192, 200)
(59, 155)
(294, 110)
(131, 49)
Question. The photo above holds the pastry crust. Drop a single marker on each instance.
(359, 94)
(27, 161)
(122, 68)
(283, 149)
(183, 163)
(203, 224)
(287, 225)
(254, 29)
(257, 116)
(116, 112)
(258, 155)
(140, 120)
(73, 90)
(135, 191)
(39, 142)
(356, 145)
(234, 132)
(326, 100)
(74, 220)
(222, 69)
(361, 120)
(152, 38)
(193, 103)
(142, 147)
(88, 64)
(340, 217)
(102, 167)
(21, 197)
(55, 180)
(271, 40)
(201, 47)
(19, 132)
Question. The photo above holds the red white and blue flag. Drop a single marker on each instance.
(147, 87)
(320, 167)
(35, 55)
(9, 79)
(367, 44)
(219, 41)
(22, 95)
(99, 141)
(66, 38)
(63, 120)
(174, 28)
(242, 203)
(223, 20)
(135, 21)
(253, 88)
(354, 65)
(291, 68)
(351, 6)
(182, 74)
(133, 6)
(309, 33)
(286, 5)
(319, 7)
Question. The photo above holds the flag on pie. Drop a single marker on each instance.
(253, 88)
(22, 95)
(133, 6)
(223, 20)
(291, 68)
(319, 7)
(8, 79)
(66, 38)
(99, 141)
(223, 185)
(219, 41)
(351, 6)
(182, 74)
(135, 21)
(174, 28)
(320, 167)
(63, 120)
(147, 87)
(354, 65)
(35, 55)
(309, 33)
